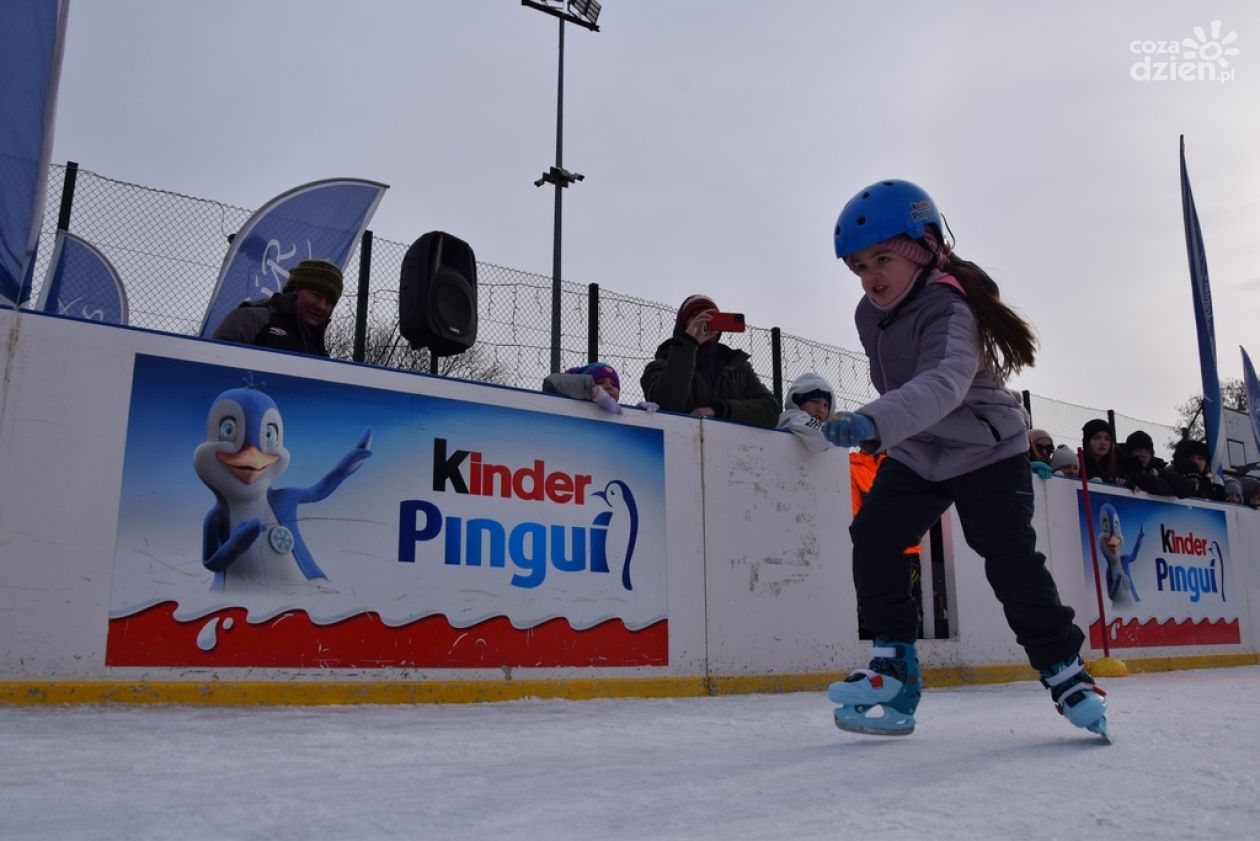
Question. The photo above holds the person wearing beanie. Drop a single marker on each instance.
(293, 319)
(1190, 460)
(806, 407)
(1040, 445)
(1250, 491)
(1233, 491)
(1063, 462)
(1040, 448)
(694, 372)
(1143, 471)
(1101, 463)
(597, 382)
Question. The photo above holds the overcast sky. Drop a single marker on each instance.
(719, 140)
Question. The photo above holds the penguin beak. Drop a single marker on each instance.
(601, 495)
(249, 464)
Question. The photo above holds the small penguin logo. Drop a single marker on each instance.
(242, 457)
(1219, 556)
(622, 522)
(1110, 541)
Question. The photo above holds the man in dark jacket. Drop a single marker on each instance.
(1190, 460)
(1142, 470)
(293, 319)
(694, 372)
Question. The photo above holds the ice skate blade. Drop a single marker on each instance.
(897, 725)
(1102, 730)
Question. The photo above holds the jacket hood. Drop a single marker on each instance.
(804, 384)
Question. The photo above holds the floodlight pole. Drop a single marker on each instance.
(561, 183)
(558, 175)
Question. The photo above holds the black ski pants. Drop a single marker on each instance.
(995, 507)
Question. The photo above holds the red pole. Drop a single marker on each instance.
(1093, 548)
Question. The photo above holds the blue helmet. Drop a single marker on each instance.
(882, 211)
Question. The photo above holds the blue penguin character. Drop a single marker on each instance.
(1110, 541)
(623, 526)
(242, 458)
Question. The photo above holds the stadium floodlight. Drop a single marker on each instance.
(582, 12)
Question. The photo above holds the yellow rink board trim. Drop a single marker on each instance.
(315, 693)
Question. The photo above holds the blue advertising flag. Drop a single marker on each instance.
(1253, 395)
(83, 283)
(322, 220)
(1212, 406)
(32, 33)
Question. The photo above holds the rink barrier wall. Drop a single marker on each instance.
(760, 595)
(325, 693)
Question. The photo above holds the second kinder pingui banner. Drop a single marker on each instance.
(1165, 571)
(271, 520)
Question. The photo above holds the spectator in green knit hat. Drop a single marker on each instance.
(318, 284)
(294, 318)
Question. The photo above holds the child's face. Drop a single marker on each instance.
(817, 408)
(1100, 444)
(1199, 461)
(884, 275)
(1073, 470)
(1143, 457)
(609, 386)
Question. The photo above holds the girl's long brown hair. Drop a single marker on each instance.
(1007, 342)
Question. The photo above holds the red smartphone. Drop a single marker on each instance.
(726, 322)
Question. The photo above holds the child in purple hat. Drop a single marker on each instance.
(597, 382)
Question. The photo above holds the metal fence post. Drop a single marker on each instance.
(67, 196)
(776, 352)
(361, 308)
(592, 322)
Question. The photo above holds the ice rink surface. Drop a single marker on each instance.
(987, 762)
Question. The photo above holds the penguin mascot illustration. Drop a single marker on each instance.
(623, 526)
(250, 538)
(1110, 541)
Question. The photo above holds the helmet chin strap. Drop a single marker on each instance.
(950, 240)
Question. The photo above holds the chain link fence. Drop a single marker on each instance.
(169, 248)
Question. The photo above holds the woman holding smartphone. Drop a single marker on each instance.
(694, 372)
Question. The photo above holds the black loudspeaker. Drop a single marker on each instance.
(437, 296)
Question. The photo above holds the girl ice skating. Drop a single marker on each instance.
(941, 343)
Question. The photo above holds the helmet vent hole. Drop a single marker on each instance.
(861, 220)
(867, 194)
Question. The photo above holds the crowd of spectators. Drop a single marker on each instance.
(1133, 464)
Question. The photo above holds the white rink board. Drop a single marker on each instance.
(758, 581)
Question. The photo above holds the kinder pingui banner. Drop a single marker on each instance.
(271, 520)
(1165, 569)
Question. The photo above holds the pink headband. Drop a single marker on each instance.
(912, 250)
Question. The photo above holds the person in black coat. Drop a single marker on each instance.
(294, 318)
(1101, 463)
(695, 372)
(1190, 460)
(1143, 471)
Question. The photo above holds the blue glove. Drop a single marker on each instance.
(1042, 469)
(848, 429)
